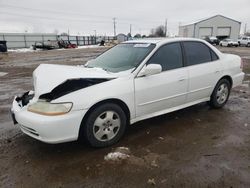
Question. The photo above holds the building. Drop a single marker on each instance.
(218, 26)
(121, 37)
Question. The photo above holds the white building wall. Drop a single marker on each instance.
(219, 22)
(186, 31)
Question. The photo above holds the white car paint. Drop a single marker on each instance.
(244, 41)
(145, 96)
(228, 42)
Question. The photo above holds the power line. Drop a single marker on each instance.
(52, 11)
(76, 13)
(49, 18)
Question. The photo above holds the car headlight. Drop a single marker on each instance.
(50, 109)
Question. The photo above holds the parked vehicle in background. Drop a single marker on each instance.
(212, 40)
(228, 43)
(130, 82)
(245, 41)
(48, 45)
(3, 46)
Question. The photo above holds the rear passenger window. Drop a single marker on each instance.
(168, 56)
(196, 53)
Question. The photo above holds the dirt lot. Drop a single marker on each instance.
(193, 147)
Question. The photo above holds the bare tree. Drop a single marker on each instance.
(137, 35)
(158, 32)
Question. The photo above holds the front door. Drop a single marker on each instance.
(155, 94)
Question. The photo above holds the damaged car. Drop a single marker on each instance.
(130, 82)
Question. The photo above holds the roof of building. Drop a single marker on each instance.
(205, 19)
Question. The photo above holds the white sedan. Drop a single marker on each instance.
(229, 43)
(128, 83)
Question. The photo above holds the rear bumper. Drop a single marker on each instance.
(238, 79)
(49, 129)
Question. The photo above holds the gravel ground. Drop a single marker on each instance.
(193, 147)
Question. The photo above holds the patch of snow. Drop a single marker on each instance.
(89, 46)
(24, 50)
(115, 156)
(246, 57)
(21, 50)
(123, 148)
(3, 73)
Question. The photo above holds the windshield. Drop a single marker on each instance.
(122, 57)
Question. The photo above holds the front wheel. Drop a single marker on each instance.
(220, 94)
(104, 126)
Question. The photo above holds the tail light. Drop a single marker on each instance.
(241, 64)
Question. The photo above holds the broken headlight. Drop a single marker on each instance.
(50, 109)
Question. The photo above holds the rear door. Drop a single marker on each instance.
(204, 70)
(168, 89)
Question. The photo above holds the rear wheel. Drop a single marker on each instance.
(104, 126)
(220, 94)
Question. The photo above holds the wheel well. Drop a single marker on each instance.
(115, 101)
(229, 79)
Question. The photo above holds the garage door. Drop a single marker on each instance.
(205, 31)
(223, 31)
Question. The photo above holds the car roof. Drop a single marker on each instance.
(162, 40)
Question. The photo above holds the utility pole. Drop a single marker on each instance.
(68, 36)
(245, 29)
(95, 36)
(114, 22)
(166, 27)
(130, 29)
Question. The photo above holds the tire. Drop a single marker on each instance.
(104, 126)
(3, 48)
(220, 94)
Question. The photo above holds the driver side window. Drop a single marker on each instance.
(168, 56)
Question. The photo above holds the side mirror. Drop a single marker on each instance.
(150, 70)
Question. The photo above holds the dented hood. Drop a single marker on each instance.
(46, 77)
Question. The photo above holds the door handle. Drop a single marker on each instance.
(181, 79)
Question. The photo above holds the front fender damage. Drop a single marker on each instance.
(70, 86)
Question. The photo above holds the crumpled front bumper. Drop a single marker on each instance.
(49, 129)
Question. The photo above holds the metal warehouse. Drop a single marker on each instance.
(218, 26)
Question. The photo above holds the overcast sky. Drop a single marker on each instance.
(84, 16)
